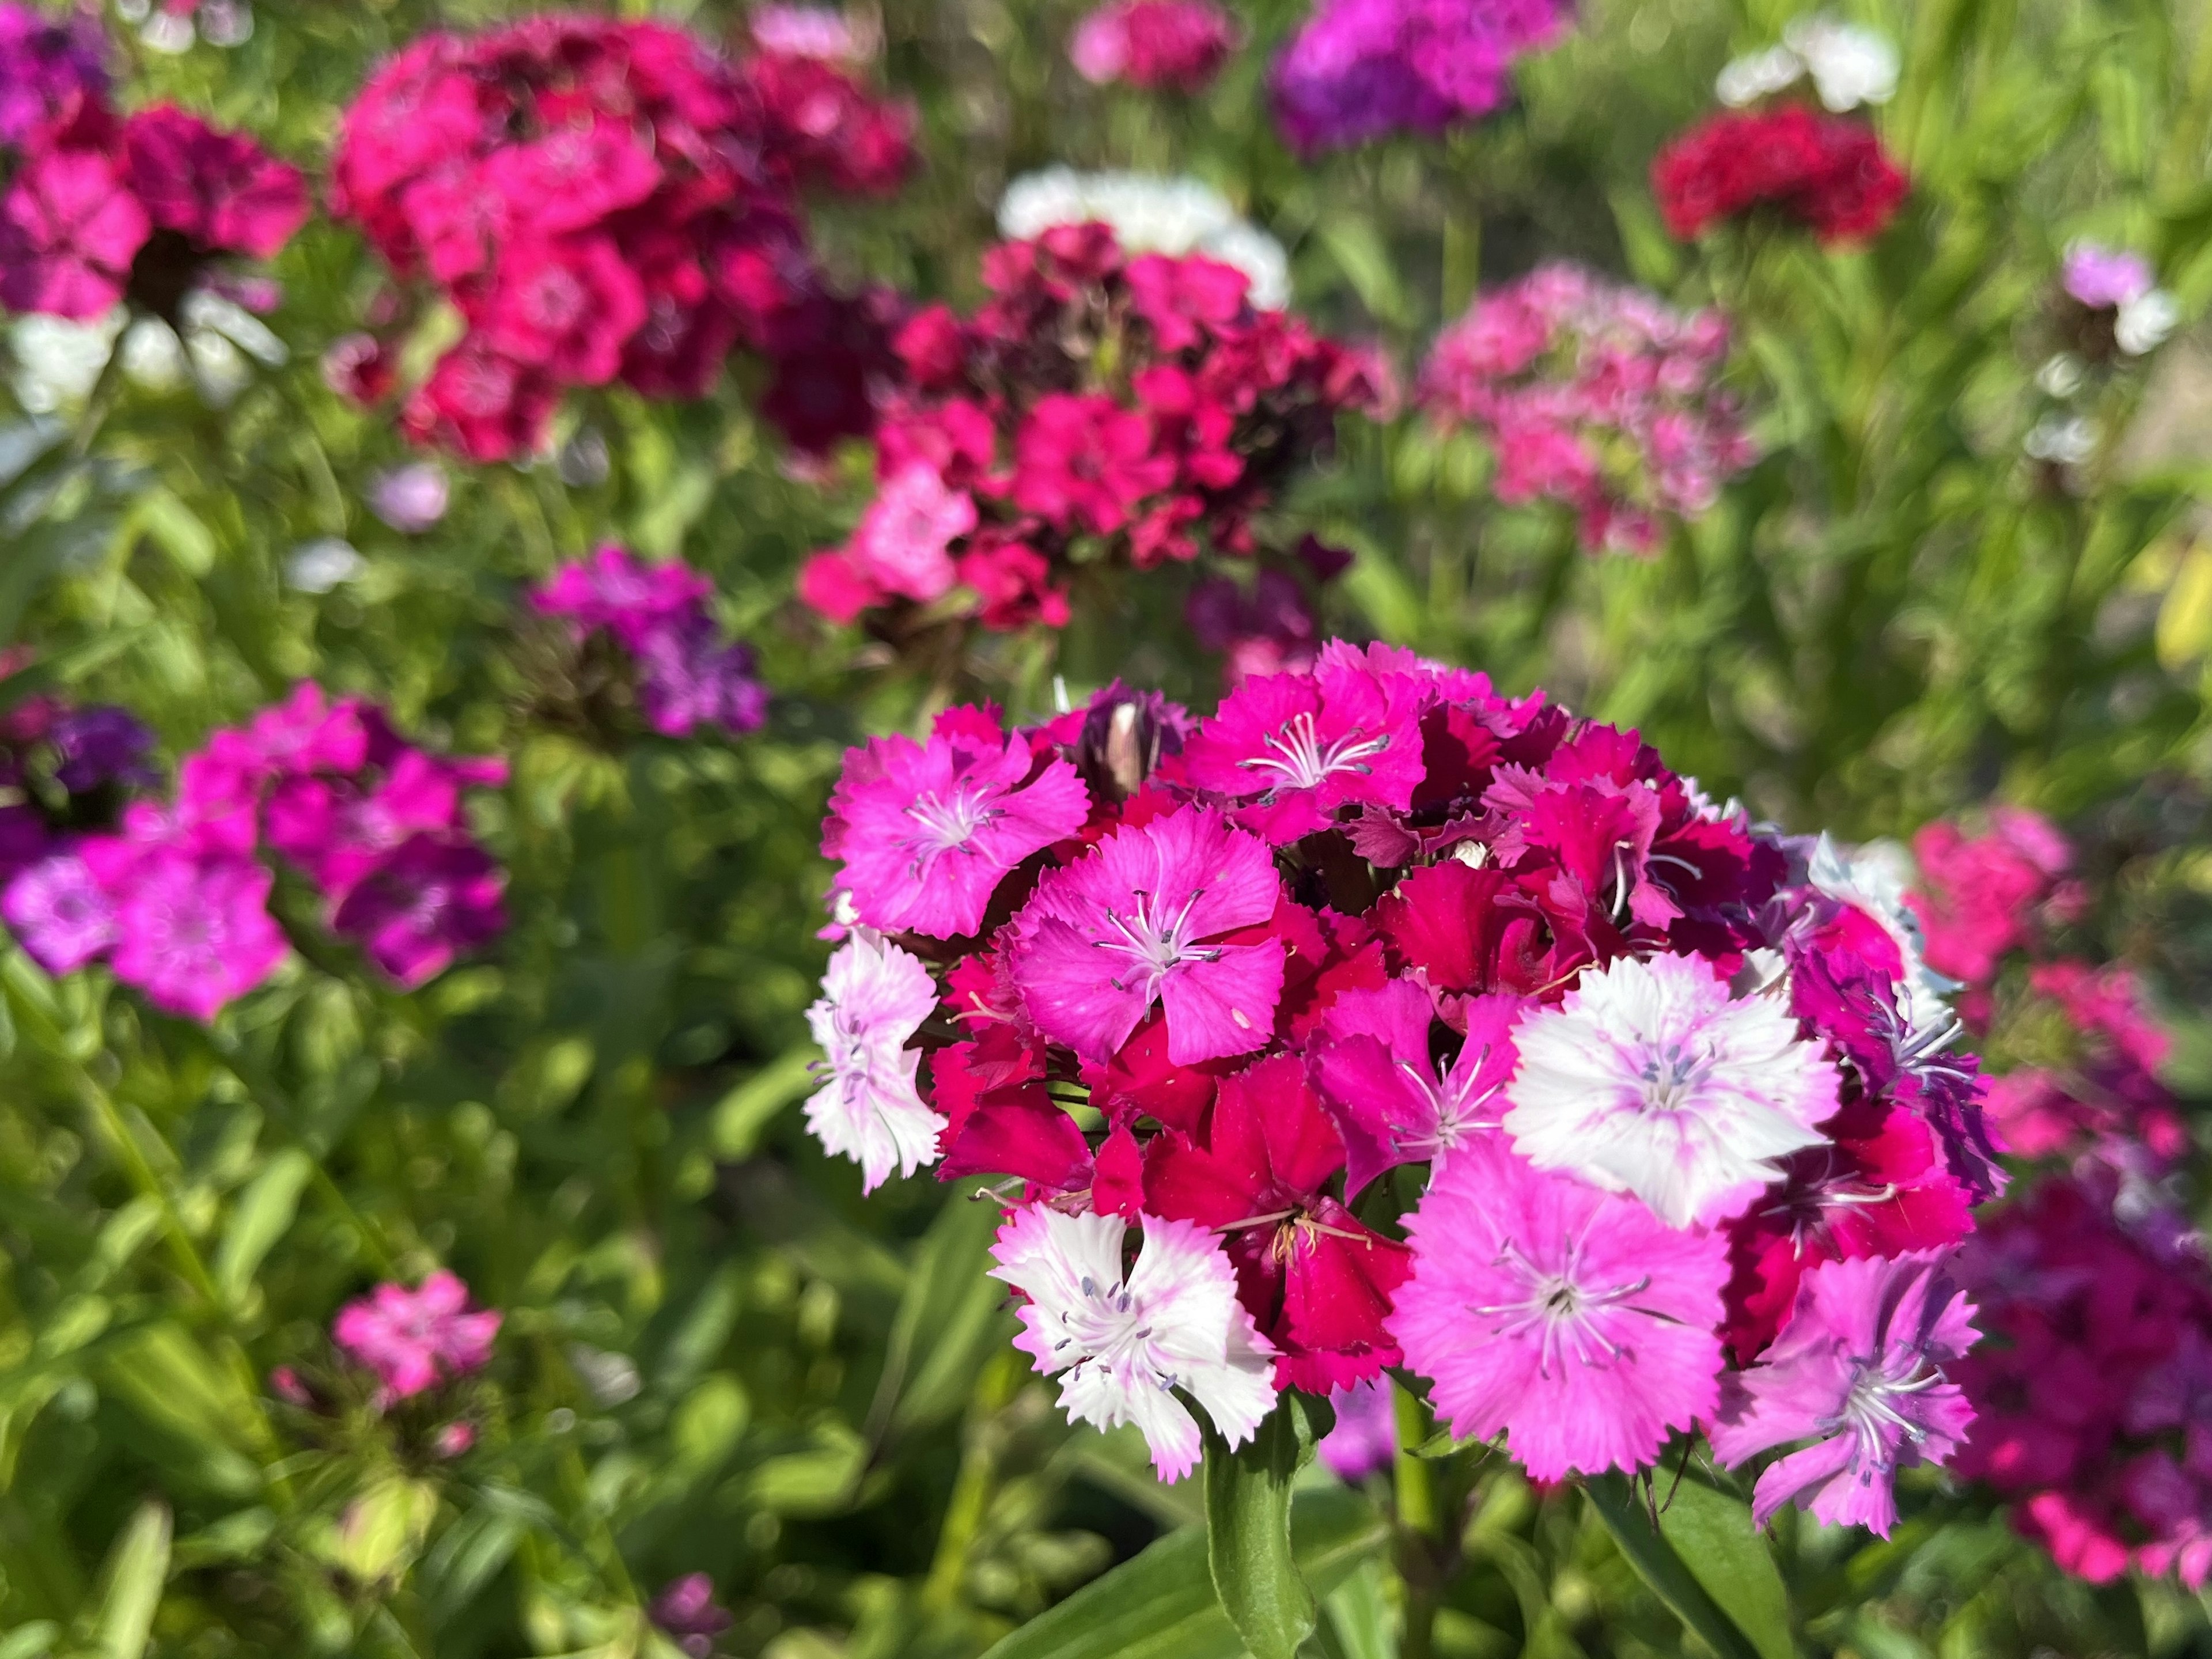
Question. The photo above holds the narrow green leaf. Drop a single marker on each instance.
(1623, 1512)
(1360, 253)
(749, 1108)
(1711, 1531)
(137, 1568)
(1359, 1612)
(1248, 1531)
(262, 1215)
(30, 1641)
(1162, 1604)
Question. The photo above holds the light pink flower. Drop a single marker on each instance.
(1570, 1318)
(1127, 1345)
(1858, 1371)
(874, 998)
(903, 541)
(59, 913)
(413, 1339)
(1650, 1079)
(1141, 920)
(2104, 278)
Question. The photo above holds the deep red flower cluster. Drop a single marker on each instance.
(603, 201)
(1100, 402)
(1827, 174)
(102, 207)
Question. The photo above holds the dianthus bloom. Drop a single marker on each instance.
(1849, 66)
(1829, 175)
(1125, 1346)
(1595, 395)
(2119, 290)
(1361, 69)
(177, 896)
(1220, 978)
(1982, 895)
(684, 675)
(1136, 404)
(103, 208)
(605, 201)
(1859, 1373)
(1149, 214)
(416, 1339)
(687, 1609)
(1178, 44)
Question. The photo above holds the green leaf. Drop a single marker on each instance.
(1359, 1613)
(1248, 1532)
(747, 1109)
(1359, 252)
(1648, 1552)
(1162, 1604)
(137, 1568)
(30, 1641)
(262, 1215)
(1711, 1532)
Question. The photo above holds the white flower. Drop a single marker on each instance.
(58, 363)
(1875, 879)
(1175, 1323)
(874, 998)
(1150, 215)
(1748, 79)
(2060, 376)
(318, 566)
(168, 32)
(1649, 1078)
(1850, 65)
(2066, 440)
(2145, 321)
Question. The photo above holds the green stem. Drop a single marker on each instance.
(964, 1511)
(1421, 1567)
(149, 1183)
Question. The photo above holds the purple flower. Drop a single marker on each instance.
(1858, 1371)
(1141, 920)
(2104, 278)
(61, 915)
(1574, 1320)
(192, 932)
(1365, 1437)
(615, 590)
(432, 898)
(927, 830)
(44, 63)
(411, 498)
(101, 745)
(687, 1610)
(414, 1338)
(686, 679)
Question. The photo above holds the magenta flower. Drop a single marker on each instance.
(192, 933)
(874, 999)
(688, 1611)
(432, 898)
(1083, 462)
(413, 1339)
(68, 230)
(1141, 919)
(1857, 1370)
(1571, 1318)
(1365, 1437)
(219, 191)
(1298, 746)
(1128, 1342)
(1651, 1078)
(1179, 44)
(927, 830)
(1390, 1103)
(61, 915)
(2104, 278)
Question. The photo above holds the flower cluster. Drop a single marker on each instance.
(101, 207)
(1850, 66)
(1829, 175)
(1100, 403)
(64, 772)
(681, 671)
(1361, 69)
(1981, 895)
(1150, 215)
(1595, 395)
(2094, 1400)
(413, 1340)
(1177, 44)
(601, 201)
(178, 899)
(1233, 986)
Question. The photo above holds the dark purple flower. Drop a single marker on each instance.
(101, 745)
(429, 900)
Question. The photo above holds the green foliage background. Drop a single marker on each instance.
(716, 1356)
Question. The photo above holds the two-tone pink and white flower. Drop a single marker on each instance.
(874, 998)
(1126, 1344)
(1651, 1078)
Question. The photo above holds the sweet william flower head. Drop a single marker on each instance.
(1650, 1079)
(59, 913)
(193, 934)
(1858, 1373)
(1141, 920)
(1570, 1318)
(925, 830)
(1124, 1344)
(413, 1339)
(874, 999)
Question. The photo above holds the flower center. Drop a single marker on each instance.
(948, 820)
(1153, 939)
(1869, 1412)
(1107, 1327)
(1300, 760)
(1453, 1108)
(1563, 1314)
(1670, 1076)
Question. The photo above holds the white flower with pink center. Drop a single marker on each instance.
(1124, 1346)
(1651, 1078)
(874, 998)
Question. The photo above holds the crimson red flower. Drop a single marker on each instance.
(1829, 175)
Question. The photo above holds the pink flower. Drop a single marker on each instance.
(219, 191)
(874, 1000)
(1858, 1371)
(1651, 1078)
(902, 544)
(1177, 43)
(61, 915)
(926, 831)
(573, 176)
(688, 1611)
(192, 933)
(68, 230)
(566, 307)
(413, 1339)
(1141, 919)
(616, 590)
(1128, 1341)
(1084, 462)
(1393, 1107)
(1573, 1319)
(427, 900)
(1980, 894)
(488, 406)
(1297, 747)
(2105, 278)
